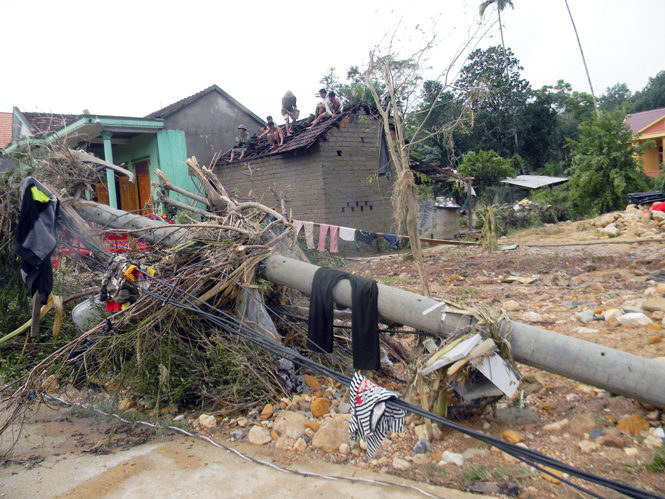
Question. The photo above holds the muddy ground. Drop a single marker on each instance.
(566, 279)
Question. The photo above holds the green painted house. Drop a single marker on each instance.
(140, 145)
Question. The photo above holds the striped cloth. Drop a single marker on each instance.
(371, 418)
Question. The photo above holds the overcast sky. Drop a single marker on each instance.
(132, 58)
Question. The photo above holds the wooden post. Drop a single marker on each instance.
(470, 209)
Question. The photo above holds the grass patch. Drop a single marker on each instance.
(658, 464)
(481, 473)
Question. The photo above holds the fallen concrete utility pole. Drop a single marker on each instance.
(155, 231)
(617, 372)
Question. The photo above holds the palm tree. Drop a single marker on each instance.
(595, 105)
(500, 6)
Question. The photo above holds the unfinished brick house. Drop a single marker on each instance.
(330, 169)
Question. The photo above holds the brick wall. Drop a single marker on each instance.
(328, 181)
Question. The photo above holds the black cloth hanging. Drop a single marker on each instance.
(364, 236)
(384, 157)
(35, 237)
(364, 317)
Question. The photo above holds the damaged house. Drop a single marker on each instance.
(329, 171)
(140, 145)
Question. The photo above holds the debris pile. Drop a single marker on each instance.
(638, 219)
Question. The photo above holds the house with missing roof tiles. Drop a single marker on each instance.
(210, 120)
(651, 126)
(329, 172)
(141, 145)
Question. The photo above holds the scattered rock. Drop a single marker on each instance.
(312, 382)
(237, 435)
(510, 305)
(605, 220)
(258, 435)
(653, 340)
(654, 305)
(556, 426)
(630, 451)
(320, 407)
(344, 449)
(512, 436)
(313, 425)
(422, 446)
(452, 458)
(509, 489)
(400, 464)
(615, 442)
(126, 404)
(532, 317)
(267, 411)
(596, 433)
(300, 445)
(207, 421)
(634, 319)
(343, 408)
(633, 425)
(51, 384)
(285, 443)
(588, 447)
(585, 316)
(651, 442)
(471, 454)
(331, 434)
(549, 477)
(275, 436)
(611, 230)
(290, 424)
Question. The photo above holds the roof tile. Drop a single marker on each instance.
(639, 121)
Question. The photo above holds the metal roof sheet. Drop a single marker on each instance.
(534, 181)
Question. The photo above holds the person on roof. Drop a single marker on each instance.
(242, 143)
(321, 106)
(274, 133)
(334, 107)
(289, 110)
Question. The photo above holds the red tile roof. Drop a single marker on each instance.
(48, 122)
(639, 121)
(301, 138)
(6, 120)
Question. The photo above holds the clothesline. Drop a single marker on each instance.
(426, 240)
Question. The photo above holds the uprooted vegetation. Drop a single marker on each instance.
(168, 358)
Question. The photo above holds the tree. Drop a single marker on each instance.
(486, 167)
(615, 98)
(605, 167)
(500, 7)
(652, 97)
(492, 81)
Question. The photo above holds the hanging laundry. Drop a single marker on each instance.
(371, 418)
(35, 238)
(334, 231)
(364, 317)
(297, 225)
(309, 234)
(347, 234)
(364, 236)
(392, 239)
(323, 232)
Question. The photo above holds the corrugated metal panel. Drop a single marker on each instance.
(534, 181)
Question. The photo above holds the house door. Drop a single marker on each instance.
(129, 199)
(142, 170)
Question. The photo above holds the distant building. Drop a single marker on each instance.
(651, 126)
(140, 145)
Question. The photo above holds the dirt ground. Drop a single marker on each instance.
(566, 280)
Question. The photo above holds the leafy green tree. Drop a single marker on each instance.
(493, 83)
(486, 167)
(615, 97)
(652, 97)
(605, 165)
